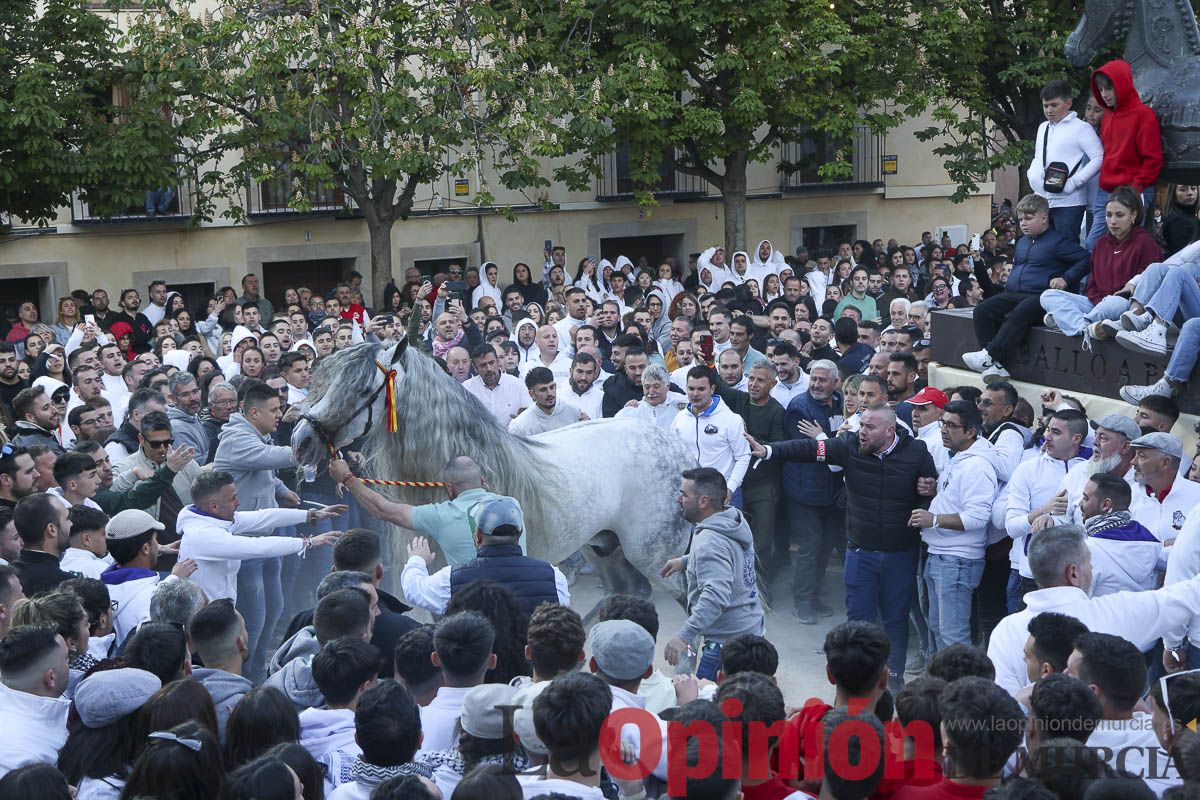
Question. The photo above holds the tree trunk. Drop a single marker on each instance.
(733, 190)
(380, 231)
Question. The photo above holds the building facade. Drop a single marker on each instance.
(81, 250)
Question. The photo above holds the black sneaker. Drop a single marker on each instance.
(806, 615)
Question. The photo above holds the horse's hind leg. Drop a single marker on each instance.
(617, 575)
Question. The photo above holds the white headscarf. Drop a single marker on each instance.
(486, 288)
(719, 276)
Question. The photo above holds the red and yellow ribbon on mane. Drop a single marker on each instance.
(389, 401)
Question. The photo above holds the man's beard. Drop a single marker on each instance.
(1105, 464)
(579, 388)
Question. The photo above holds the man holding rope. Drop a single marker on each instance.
(450, 523)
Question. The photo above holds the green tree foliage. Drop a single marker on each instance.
(988, 62)
(60, 130)
(711, 86)
(371, 99)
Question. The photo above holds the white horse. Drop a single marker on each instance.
(608, 484)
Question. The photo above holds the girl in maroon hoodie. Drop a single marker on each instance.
(1125, 250)
(1131, 137)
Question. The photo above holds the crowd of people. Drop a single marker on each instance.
(186, 612)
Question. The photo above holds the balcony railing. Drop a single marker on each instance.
(272, 198)
(799, 162)
(615, 183)
(173, 203)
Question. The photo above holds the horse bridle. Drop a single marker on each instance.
(327, 437)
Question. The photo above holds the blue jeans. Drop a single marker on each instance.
(880, 585)
(1068, 220)
(260, 601)
(1187, 347)
(736, 500)
(1100, 223)
(1012, 596)
(1170, 290)
(1073, 312)
(159, 200)
(710, 661)
(951, 582)
(919, 609)
(317, 563)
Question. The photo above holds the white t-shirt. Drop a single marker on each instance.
(533, 420)
(590, 402)
(533, 786)
(505, 401)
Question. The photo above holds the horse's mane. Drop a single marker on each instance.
(439, 419)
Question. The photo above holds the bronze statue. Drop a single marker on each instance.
(1162, 45)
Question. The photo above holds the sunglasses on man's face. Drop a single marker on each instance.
(159, 445)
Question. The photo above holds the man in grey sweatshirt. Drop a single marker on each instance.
(247, 451)
(219, 636)
(723, 599)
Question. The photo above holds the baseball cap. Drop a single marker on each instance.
(523, 718)
(105, 697)
(1162, 442)
(623, 649)
(1119, 423)
(481, 715)
(498, 512)
(130, 523)
(929, 395)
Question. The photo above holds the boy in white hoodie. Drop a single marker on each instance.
(343, 670)
(132, 541)
(1067, 141)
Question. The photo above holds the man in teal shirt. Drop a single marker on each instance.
(450, 523)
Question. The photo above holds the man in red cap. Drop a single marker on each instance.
(927, 406)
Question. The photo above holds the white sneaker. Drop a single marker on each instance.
(1049, 322)
(978, 360)
(995, 372)
(1136, 322)
(1152, 340)
(1136, 394)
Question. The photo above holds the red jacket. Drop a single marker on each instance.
(1129, 132)
(1114, 263)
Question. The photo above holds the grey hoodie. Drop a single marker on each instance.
(296, 681)
(226, 688)
(252, 459)
(302, 643)
(722, 593)
(188, 430)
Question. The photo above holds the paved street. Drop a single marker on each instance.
(801, 666)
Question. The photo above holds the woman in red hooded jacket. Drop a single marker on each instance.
(1124, 251)
(1132, 141)
(122, 334)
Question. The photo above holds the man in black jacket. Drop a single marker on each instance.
(42, 523)
(626, 385)
(883, 466)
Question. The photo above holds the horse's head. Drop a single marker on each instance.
(1103, 21)
(346, 399)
